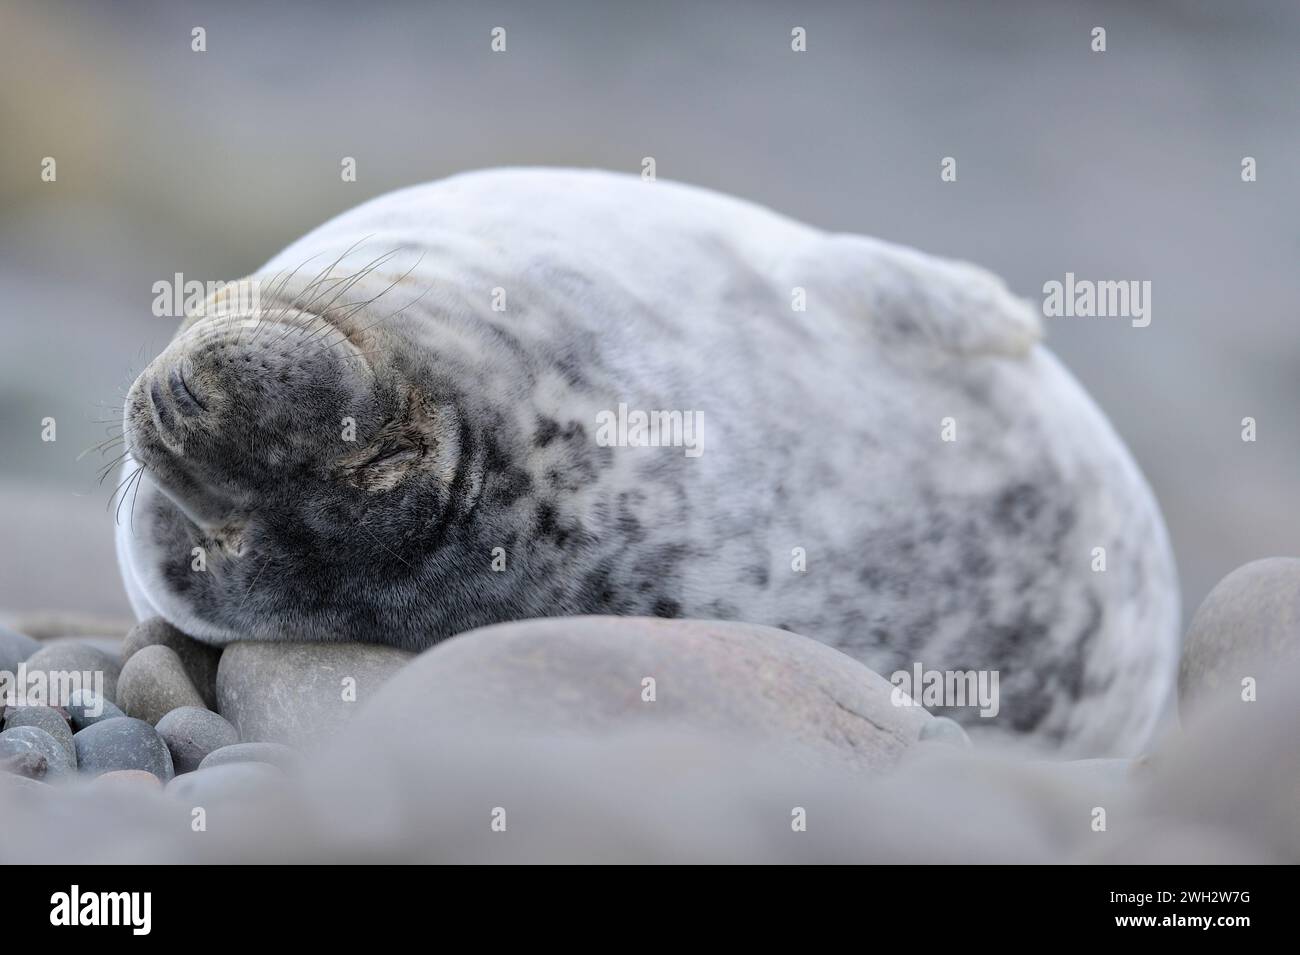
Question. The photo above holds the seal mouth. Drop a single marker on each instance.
(156, 436)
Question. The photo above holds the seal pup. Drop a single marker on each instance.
(438, 417)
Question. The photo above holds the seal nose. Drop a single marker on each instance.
(188, 403)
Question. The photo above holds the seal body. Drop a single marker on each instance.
(522, 393)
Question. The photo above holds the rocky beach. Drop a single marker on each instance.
(604, 739)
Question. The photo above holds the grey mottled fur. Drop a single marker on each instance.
(821, 432)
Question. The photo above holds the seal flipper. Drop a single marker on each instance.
(908, 296)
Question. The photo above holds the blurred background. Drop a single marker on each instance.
(1121, 165)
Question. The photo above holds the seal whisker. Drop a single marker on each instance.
(300, 300)
(382, 544)
(256, 578)
(363, 305)
(348, 284)
(276, 292)
(135, 476)
(385, 318)
(307, 307)
(102, 446)
(107, 469)
(358, 354)
(134, 494)
(277, 288)
(324, 274)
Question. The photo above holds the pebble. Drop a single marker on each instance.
(192, 733)
(16, 782)
(26, 741)
(274, 754)
(46, 718)
(588, 676)
(199, 659)
(944, 730)
(1249, 623)
(129, 778)
(15, 647)
(25, 763)
(300, 693)
(232, 781)
(110, 645)
(57, 625)
(153, 683)
(86, 708)
(78, 657)
(123, 743)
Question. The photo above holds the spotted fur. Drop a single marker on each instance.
(475, 430)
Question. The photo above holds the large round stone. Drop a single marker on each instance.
(299, 693)
(199, 659)
(1235, 769)
(1249, 623)
(592, 675)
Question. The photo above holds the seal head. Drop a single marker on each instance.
(292, 446)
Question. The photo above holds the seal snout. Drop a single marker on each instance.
(173, 399)
(236, 403)
(234, 413)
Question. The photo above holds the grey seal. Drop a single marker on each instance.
(436, 419)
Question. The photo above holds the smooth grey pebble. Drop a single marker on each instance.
(76, 657)
(123, 743)
(86, 708)
(153, 683)
(46, 718)
(192, 733)
(24, 740)
(274, 754)
(941, 729)
(230, 781)
(15, 647)
(199, 659)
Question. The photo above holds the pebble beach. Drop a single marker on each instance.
(624, 739)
